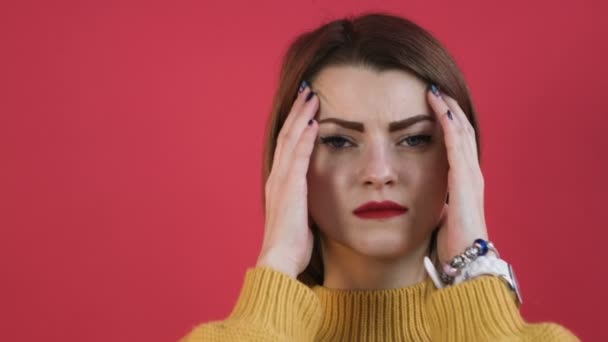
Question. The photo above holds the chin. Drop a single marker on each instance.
(383, 245)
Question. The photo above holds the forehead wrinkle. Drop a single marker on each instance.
(326, 102)
(394, 113)
(329, 106)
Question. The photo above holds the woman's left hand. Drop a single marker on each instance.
(463, 220)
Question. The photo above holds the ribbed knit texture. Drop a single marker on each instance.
(275, 307)
(372, 315)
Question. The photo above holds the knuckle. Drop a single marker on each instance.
(468, 125)
(281, 136)
(287, 136)
(461, 131)
(468, 129)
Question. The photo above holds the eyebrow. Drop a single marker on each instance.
(392, 127)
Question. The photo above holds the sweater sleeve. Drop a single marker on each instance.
(484, 309)
(271, 307)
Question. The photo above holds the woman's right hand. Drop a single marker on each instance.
(288, 239)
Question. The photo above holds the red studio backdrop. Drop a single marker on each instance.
(131, 136)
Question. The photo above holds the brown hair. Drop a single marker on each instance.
(379, 41)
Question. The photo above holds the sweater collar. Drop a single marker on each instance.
(374, 315)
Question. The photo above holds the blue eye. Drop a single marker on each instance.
(424, 137)
(336, 142)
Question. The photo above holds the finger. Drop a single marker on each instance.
(468, 151)
(292, 135)
(470, 144)
(456, 109)
(452, 130)
(439, 104)
(303, 151)
(295, 108)
(295, 179)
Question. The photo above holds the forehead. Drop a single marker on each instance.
(363, 94)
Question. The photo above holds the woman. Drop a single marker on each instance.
(371, 132)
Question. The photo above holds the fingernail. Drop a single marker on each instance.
(435, 90)
(310, 95)
(449, 113)
(303, 86)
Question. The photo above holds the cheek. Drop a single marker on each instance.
(324, 175)
(432, 188)
(327, 180)
(433, 172)
(434, 167)
(423, 178)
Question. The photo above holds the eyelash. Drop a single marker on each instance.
(335, 138)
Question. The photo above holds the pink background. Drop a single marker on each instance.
(131, 142)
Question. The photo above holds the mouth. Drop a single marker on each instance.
(377, 214)
(375, 210)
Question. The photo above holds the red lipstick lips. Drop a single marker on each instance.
(380, 210)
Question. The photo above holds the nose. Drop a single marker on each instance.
(379, 169)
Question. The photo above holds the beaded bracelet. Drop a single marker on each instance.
(479, 248)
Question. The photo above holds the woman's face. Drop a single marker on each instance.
(408, 166)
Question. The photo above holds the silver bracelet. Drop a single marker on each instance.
(452, 269)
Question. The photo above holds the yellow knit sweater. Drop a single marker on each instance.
(275, 307)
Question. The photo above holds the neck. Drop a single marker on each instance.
(347, 269)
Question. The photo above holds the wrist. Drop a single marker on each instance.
(277, 263)
(480, 248)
